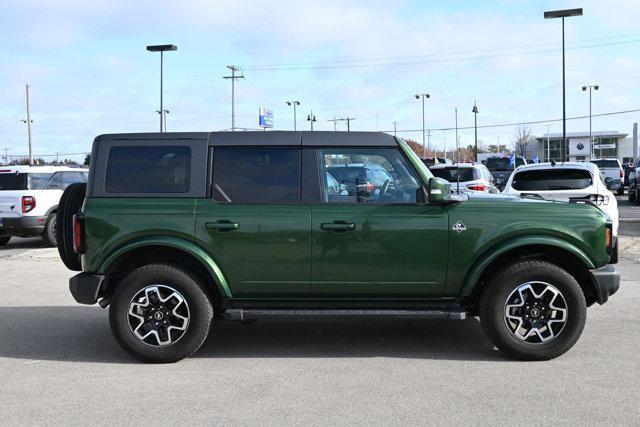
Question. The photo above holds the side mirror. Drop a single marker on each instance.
(439, 190)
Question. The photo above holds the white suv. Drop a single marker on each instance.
(474, 177)
(568, 182)
(29, 197)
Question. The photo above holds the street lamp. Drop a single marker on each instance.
(475, 126)
(162, 48)
(311, 118)
(294, 103)
(563, 14)
(584, 88)
(423, 96)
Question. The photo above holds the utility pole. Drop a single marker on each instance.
(334, 120)
(548, 144)
(311, 118)
(28, 121)
(234, 69)
(348, 120)
(444, 142)
(395, 128)
(498, 138)
(429, 140)
(6, 155)
(423, 96)
(295, 118)
(475, 127)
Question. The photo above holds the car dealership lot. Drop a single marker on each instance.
(60, 364)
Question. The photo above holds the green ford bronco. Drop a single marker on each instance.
(174, 231)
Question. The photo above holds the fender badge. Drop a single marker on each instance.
(459, 227)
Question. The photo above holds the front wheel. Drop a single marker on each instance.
(621, 191)
(533, 310)
(160, 314)
(4, 240)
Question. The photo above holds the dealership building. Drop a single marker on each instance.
(578, 146)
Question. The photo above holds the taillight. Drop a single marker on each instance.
(476, 187)
(78, 233)
(28, 203)
(608, 237)
(621, 173)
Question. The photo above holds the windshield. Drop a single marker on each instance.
(502, 163)
(552, 179)
(606, 163)
(13, 181)
(37, 181)
(451, 174)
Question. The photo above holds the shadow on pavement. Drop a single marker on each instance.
(82, 334)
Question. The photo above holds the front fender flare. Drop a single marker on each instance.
(177, 243)
(494, 252)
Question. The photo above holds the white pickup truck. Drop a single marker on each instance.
(612, 174)
(29, 197)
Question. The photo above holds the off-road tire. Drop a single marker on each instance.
(4, 240)
(49, 235)
(494, 297)
(70, 204)
(200, 313)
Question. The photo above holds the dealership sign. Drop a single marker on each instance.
(265, 117)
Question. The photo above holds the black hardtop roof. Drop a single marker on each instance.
(264, 138)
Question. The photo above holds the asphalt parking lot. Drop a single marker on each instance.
(60, 364)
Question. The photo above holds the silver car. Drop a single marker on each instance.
(472, 177)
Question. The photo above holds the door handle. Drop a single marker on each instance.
(222, 225)
(338, 226)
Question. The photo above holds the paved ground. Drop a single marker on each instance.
(59, 364)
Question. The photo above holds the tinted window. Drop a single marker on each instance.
(37, 181)
(13, 181)
(257, 175)
(148, 170)
(69, 178)
(606, 163)
(502, 163)
(368, 175)
(451, 174)
(549, 180)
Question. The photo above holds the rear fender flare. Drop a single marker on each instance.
(173, 242)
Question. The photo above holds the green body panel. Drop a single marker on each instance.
(496, 224)
(280, 253)
(268, 256)
(394, 251)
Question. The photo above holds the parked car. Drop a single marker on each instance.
(612, 172)
(361, 180)
(633, 191)
(473, 177)
(236, 225)
(501, 168)
(579, 182)
(29, 198)
(430, 161)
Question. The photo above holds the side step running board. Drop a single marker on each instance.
(242, 314)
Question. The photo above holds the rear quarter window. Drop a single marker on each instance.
(552, 179)
(13, 181)
(148, 169)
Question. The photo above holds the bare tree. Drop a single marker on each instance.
(522, 141)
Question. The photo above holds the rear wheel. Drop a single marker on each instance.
(160, 314)
(4, 240)
(620, 191)
(70, 204)
(533, 310)
(49, 234)
(631, 195)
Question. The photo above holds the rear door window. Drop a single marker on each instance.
(148, 169)
(256, 175)
(55, 183)
(606, 163)
(451, 174)
(552, 179)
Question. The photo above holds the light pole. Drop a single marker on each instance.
(563, 14)
(548, 142)
(162, 48)
(423, 96)
(295, 119)
(311, 118)
(475, 127)
(584, 88)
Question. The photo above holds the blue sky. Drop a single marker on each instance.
(90, 72)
